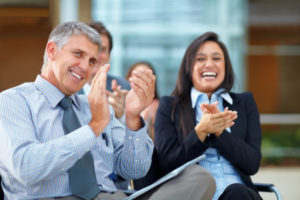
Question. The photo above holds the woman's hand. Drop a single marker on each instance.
(213, 121)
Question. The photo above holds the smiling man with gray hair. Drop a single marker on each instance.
(55, 143)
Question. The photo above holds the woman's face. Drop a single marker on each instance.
(209, 67)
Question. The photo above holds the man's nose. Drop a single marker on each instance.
(85, 65)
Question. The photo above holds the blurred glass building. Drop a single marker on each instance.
(262, 36)
(160, 31)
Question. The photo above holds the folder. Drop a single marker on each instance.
(165, 178)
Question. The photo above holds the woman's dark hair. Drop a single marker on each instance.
(184, 80)
(147, 64)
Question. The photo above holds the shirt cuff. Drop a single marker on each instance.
(122, 119)
(139, 135)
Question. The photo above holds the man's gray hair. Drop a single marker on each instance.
(62, 33)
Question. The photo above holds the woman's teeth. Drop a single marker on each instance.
(209, 74)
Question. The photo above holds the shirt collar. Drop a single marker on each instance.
(86, 88)
(226, 96)
(194, 96)
(52, 94)
(195, 93)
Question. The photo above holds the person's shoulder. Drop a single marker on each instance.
(242, 95)
(24, 89)
(17, 94)
(167, 101)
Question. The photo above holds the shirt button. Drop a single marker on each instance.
(130, 138)
(136, 160)
(137, 139)
(219, 165)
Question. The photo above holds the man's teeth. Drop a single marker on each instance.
(76, 75)
(209, 74)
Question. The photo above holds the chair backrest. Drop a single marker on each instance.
(1, 191)
(268, 187)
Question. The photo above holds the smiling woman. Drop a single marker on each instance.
(201, 118)
(209, 68)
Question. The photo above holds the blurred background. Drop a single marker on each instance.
(263, 38)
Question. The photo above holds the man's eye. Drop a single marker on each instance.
(92, 62)
(77, 53)
(103, 50)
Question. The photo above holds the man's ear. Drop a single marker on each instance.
(51, 50)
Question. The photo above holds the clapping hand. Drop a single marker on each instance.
(213, 121)
(139, 97)
(117, 98)
(98, 101)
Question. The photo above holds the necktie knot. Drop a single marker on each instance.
(65, 103)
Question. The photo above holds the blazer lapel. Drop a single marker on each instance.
(233, 107)
(177, 121)
(194, 117)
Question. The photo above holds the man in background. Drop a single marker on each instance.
(117, 87)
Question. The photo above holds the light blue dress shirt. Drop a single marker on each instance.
(221, 169)
(35, 153)
(86, 90)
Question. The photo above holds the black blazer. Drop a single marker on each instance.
(241, 147)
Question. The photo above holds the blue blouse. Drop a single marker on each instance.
(220, 168)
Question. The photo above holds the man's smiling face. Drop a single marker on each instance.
(71, 66)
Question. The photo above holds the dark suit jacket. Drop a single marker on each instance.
(124, 83)
(241, 147)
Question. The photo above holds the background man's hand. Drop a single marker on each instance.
(117, 98)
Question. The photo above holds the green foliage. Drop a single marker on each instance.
(286, 137)
(277, 143)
